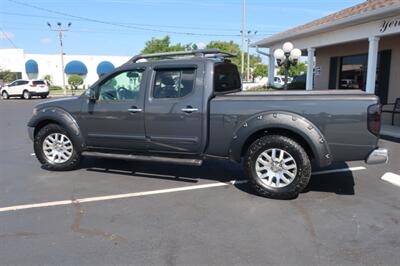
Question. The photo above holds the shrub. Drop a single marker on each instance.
(297, 85)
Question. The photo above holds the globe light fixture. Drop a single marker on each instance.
(287, 56)
(287, 47)
(279, 54)
(295, 54)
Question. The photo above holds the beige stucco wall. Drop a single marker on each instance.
(324, 54)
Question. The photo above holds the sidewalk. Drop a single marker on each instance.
(390, 131)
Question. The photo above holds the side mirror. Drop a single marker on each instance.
(91, 94)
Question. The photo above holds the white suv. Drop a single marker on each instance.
(25, 89)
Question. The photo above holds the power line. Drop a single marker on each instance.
(127, 23)
(130, 23)
(5, 34)
(120, 24)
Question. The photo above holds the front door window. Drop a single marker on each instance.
(123, 86)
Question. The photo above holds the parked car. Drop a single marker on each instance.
(185, 110)
(25, 89)
(279, 81)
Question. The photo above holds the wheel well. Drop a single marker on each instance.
(42, 124)
(278, 131)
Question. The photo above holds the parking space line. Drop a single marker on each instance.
(150, 192)
(110, 197)
(350, 169)
(391, 178)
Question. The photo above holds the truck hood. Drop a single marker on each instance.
(60, 102)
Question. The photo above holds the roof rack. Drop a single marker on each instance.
(211, 53)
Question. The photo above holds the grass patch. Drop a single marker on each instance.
(260, 88)
(69, 92)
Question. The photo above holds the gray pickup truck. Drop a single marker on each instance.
(185, 107)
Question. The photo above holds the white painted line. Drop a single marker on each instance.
(350, 169)
(391, 178)
(33, 154)
(110, 197)
(151, 192)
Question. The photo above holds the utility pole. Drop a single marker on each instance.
(248, 52)
(60, 30)
(243, 33)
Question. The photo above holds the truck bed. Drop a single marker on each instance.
(341, 116)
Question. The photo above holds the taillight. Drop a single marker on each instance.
(33, 85)
(374, 119)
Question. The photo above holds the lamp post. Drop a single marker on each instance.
(61, 31)
(287, 56)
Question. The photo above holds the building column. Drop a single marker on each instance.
(372, 64)
(271, 68)
(310, 68)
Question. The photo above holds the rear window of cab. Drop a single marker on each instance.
(226, 78)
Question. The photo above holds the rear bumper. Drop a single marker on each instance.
(377, 156)
(34, 93)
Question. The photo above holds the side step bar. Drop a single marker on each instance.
(183, 161)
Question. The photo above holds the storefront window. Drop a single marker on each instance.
(353, 72)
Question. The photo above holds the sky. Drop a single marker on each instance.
(121, 27)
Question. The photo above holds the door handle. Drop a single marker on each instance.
(189, 109)
(134, 109)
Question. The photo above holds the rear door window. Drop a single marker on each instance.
(226, 78)
(176, 83)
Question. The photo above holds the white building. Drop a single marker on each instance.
(356, 48)
(38, 65)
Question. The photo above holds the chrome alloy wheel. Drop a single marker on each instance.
(276, 168)
(57, 148)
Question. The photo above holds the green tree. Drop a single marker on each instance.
(162, 45)
(75, 81)
(7, 76)
(260, 70)
(298, 69)
(48, 79)
(233, 47)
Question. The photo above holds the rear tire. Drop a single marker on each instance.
(43, 96)
(26, 95)
(277, 167)
(5, 95)
(55, 149)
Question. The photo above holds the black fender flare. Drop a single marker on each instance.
(61, 117)
(286, 121)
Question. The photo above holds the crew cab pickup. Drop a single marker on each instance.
(185, 107)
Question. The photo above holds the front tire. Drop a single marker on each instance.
(5, 95)
(55, 149)
(43, 96)
(277, 167)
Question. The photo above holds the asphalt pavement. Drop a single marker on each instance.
(118, 212)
